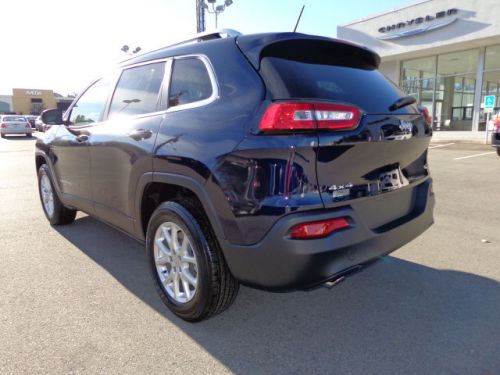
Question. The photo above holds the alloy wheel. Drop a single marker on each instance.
(175, 262)
(47, 195)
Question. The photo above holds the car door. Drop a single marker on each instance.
(70, 145)
(120, 148)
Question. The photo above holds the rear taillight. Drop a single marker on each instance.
(28, 125)
(281, 117)
(318, 229)
(3, 125)
(425, 112)
(496, 125)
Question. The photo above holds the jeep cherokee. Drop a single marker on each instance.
(281, 161)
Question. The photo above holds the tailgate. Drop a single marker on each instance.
(386, 154)
(373, 164)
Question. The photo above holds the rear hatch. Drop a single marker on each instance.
(366, 146)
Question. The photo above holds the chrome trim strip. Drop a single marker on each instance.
(213, 81)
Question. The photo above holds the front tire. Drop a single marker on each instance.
(55, 211)
(186, 263)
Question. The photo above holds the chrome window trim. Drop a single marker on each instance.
(165, 88)
(119, 74)
(213, 82)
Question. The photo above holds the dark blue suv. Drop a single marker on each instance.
(282, 161)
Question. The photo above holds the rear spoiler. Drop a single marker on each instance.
(306, 48)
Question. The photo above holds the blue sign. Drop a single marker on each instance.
(489, 101)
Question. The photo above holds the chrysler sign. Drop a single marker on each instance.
(419, 25)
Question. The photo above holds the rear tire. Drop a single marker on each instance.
(3, 135)
(498, 151)
(55, 211)
(28, 135)
(208, 288)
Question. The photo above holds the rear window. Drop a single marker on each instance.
(14, 118)
(366, 88)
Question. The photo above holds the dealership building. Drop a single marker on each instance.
(32, 101)
(444, 53)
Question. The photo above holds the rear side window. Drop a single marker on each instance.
(137, 90)
(366, 88)
(190, 82)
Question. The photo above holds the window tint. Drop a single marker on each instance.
(90, 106)
(137, 90)
(14, 118)
(190, 82)
(366, 88)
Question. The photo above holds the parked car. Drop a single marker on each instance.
(31, 120)
(495, 135)
(14, 124)
(39, 125)
(281, 161)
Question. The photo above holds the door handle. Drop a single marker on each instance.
(82, 138)
(140, 134)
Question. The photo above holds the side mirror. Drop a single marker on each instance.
(52, 117)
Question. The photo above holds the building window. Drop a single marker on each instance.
(418, 80)
(491, 80)
(445, 84)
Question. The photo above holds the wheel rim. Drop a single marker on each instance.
(47, 195)
(175, 262)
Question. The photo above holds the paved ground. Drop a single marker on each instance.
(78, 299)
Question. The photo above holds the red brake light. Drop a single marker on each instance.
(425, 112)
(318, 229)
(3, 125)
(27, 125)
(309, 116)
(496, 125)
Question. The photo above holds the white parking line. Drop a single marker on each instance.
(473, 156)
(446, 144)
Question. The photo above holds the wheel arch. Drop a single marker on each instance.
(155, 188)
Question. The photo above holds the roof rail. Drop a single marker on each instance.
(200, 37)
(209, 35)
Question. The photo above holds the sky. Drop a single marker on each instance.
(64, 44)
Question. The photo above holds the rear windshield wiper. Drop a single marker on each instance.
(402, 102)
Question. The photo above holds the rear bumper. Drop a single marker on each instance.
(280, 263)
(16, 131)
(495, 139)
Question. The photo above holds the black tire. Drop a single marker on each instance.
(28, 135)
(3, 135)
(498, 151)
(216, 287)
(61, 215)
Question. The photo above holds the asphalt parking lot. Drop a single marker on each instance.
(78, 298)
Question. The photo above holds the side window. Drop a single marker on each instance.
(90, 107)
(137, 90)
(190, 82)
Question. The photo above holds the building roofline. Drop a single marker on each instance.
(376, 15)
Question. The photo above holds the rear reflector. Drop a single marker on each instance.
(318, 229)
(309, 116)
(425, 112)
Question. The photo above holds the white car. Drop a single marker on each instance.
(15, 124)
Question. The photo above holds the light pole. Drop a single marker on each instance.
(212, 9)
(126, 49)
